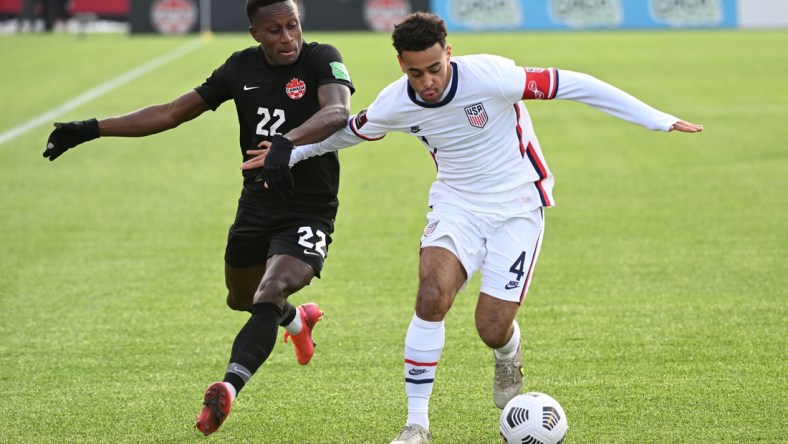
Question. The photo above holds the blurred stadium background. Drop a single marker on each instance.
(183, 16)
(659, 306)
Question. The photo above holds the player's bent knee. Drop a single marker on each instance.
(235, 305)
(432, 300)
(493, 336)
(432, 307)
(238, 304)
(272, 291)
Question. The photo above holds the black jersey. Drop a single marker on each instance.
(272, 100)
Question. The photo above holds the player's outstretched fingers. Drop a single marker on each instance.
(255, 162)
(686, 127)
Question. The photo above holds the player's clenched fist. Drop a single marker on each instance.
(68, 135)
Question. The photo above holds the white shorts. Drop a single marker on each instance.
(504, 248)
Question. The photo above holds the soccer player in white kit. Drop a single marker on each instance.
(488, 197)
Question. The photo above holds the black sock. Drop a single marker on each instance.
(253, 344)
(288, 314)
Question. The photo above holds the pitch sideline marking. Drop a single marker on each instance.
(100, 90)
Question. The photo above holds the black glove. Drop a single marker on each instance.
(276, 167)
(68, 135)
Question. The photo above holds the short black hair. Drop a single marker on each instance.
(419, 31)
(253, 5)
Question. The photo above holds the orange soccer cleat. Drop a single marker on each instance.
(216, 407)
(304, 345)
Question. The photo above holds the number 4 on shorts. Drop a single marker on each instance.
(518, 267)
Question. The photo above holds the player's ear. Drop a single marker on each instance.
(448, 50)
(401, 64)
(253, 32)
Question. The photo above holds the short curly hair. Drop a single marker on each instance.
(419, 31)
(253, 5)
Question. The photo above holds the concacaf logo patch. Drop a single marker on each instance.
(361, 118)
(340, 71)
(295, 89)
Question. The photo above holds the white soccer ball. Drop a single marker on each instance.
(533, 418)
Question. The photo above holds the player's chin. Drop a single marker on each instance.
(429, 96)
(287, 57)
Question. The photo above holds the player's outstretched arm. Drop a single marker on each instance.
(334, 99)
(343, 138)
(334, 102)
(142, 122)
(607, 98)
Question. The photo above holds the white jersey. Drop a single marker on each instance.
(480, 134)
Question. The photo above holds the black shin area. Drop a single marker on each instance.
(253, 344)
(288, 314)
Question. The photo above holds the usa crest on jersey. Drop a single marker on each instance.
(477, 115)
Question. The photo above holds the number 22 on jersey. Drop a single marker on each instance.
(275, 118)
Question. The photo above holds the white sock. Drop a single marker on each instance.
(294, 327)
(232, 389)
(508, 351)
(423, 346)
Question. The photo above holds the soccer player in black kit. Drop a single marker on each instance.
(286, 92)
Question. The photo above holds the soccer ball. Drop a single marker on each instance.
(533, 418)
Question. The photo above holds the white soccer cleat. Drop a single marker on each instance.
(412, 434)
(508, 378)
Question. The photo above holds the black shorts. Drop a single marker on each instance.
(251, 240)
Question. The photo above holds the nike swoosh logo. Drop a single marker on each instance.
(510, 286)
(311, 253)
(249, 88)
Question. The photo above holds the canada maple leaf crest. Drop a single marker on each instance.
(295, 89)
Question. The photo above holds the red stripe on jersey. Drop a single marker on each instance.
(536, 162)
(434, 160)
(538, 165)
(540, 84)
(543, 195)
(519, 130)
(421, 364)
(530, 267)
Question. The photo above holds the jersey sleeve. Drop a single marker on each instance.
(611, 100)
(343, 138)
(331, 68)
(522, 83)
(365, 128)
(215, 89)
(359, 128)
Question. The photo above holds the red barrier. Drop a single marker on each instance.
(10, 7)
(110, 8)
(117, 8)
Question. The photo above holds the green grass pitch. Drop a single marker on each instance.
(657, 313)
